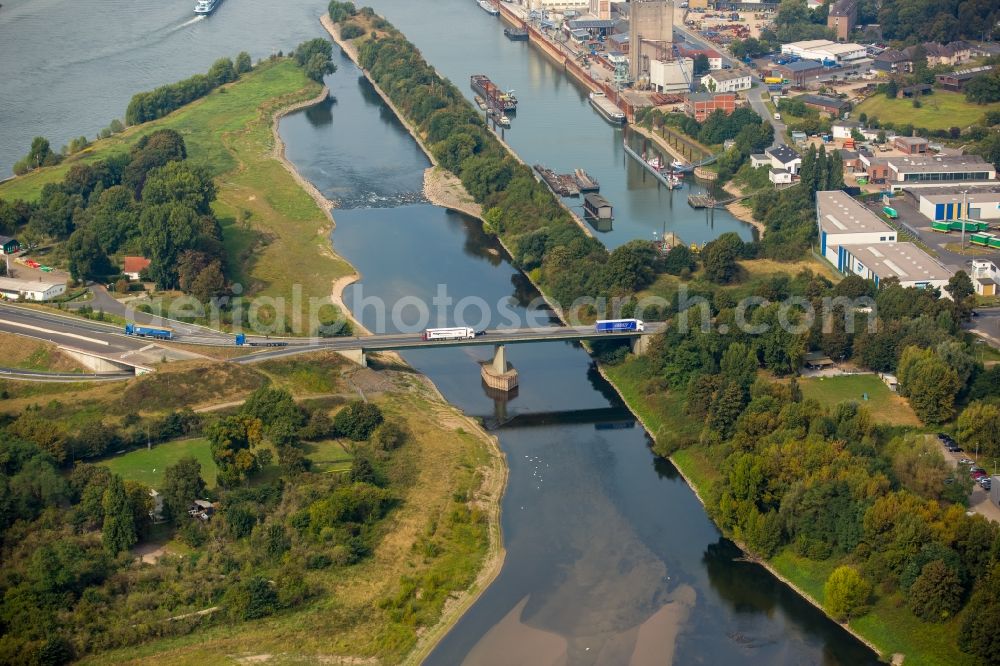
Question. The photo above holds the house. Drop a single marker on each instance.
(830, 106)
(904, 261)
(915, 90)
(779, 176)
(842, 220)
(842, 18)
(714, 59)
(727, 80)
(759, 160)
(955, 81)
(201, 509)
(132, 267)
(891, 61)
(844, 129)
(30, 290)
(9, 245)
(985, 277)
(954, 53)
(816, 360)
(890, 380)
(851, 160)
(784, 157)
(910, 145)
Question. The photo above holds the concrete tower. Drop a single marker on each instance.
(651, 34)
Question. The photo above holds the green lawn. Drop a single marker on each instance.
(147, 466)
(328, 455)
(941, 110)
(884, 405)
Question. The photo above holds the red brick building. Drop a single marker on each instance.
(701, 105)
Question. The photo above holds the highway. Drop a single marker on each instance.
(67, 330)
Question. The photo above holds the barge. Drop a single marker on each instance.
(608, 110)
(494, 96)
(562, 185)
(489, 7)
(586, 182)
(516, 34)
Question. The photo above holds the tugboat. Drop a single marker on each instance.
(206, 7)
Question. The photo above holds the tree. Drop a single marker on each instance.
(979, 635)
(182, 484)
(979, 428)
(630, 266)
(243, 63)
(182, 183)
(167, 230)
(701, 64)
(119, 532)
(315, 56)
(739, 365)
(960, 286)
(232, 440)
(251, 599)
(892, 89)
(357, 420)
(679, 259)
(936, 595)
(846, 593)
(719, 258)
(928, 383)
(87, 259)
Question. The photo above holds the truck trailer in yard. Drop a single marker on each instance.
(618, 325)
(159, 332)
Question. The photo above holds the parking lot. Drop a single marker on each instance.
(979, 500)
(913, 221)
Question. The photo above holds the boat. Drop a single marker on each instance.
(564, 186)
(504, 120)
(676, 164)
(205, 7)
(494, 96)
(481, 102)
(654, 162)
(674, 181)
(489, 7)
(585, 181)
(608, 109)
(516, 34)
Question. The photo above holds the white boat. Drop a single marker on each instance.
(489, 7)
(678, 164)
(205, 7)
(504, 120)
(654, 162)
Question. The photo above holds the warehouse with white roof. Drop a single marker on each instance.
(842, 220)
(905, 261)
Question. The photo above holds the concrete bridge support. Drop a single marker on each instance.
(355, 356)
(499, 374)
(98, 363)
(640, 344)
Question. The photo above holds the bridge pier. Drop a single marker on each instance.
(499, 374)
(98, 363)
(355, 356)
(640, 344)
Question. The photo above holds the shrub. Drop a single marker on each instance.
(357, 420)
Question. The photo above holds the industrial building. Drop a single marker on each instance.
(844, 221)
(799, 71)
(825, 51)
(910, 145)
(701, 105)
(651, 34)
(831, 106)
(955, 81)
(905, 261)
(668, 76)
(30, 290)
(950, 203)
(929, 170)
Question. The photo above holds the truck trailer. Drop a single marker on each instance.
(158, 332)
(457, 333)
(619, 325)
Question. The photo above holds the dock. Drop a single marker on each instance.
(659, 175)
(701, 201)
(586, 182)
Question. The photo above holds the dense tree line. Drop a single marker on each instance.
(69, 586)
(913, 21)
(146, 106)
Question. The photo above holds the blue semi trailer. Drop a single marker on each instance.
(159, 332)
(619, 325)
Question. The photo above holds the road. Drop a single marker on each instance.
(67, 330)
(753, 95)
(986, 324)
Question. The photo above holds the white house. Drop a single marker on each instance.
(844, 129)
(784, 157)
(759, 160)
(30, 290)
(779, 176)
(985, 277)
(844, 221)
(727, 80)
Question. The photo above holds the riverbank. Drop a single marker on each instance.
(740, 210)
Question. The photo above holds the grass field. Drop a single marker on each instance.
(147, 466)
(20, 352)
(272, 228)
(884, 405)
(941, 110)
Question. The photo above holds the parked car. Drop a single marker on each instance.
(966, 461)
(986, 483)
(978, 475)
(945, 437)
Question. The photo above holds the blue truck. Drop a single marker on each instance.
(158, 332)
(619, 325)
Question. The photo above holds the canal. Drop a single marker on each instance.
(610, 556)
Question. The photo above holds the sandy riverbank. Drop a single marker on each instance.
(443, 188)
(740, 210)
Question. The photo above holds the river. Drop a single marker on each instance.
(610, 556)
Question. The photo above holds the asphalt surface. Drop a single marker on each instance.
(986, 324)
(67, 330)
